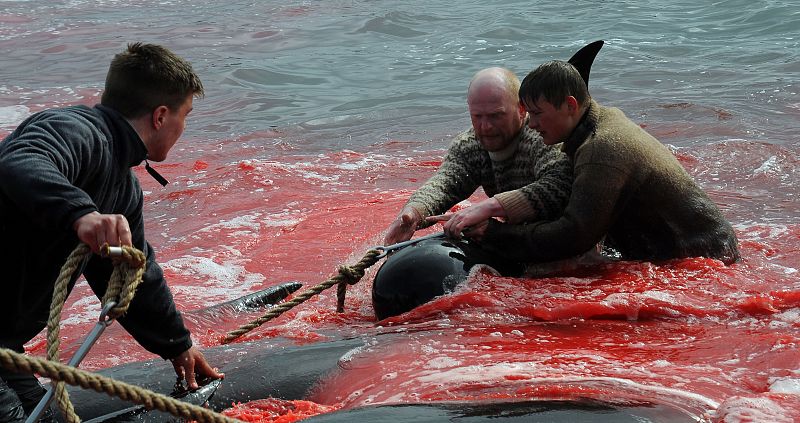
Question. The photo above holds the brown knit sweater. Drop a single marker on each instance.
(530, 179)
(629, 188)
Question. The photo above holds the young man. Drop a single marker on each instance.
(629, 190)
(524, 179)
(67, 179)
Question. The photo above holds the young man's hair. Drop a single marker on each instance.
(146, 76)
(554, 81)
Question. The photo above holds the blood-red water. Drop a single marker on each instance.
(276, 410)
(713, 340)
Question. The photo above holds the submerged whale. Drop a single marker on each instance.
(277, 369)
(584, 411)
(253, 370)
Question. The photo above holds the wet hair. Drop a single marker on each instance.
(554, 81)
(146, 76)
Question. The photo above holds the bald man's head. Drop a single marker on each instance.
(499, 78)
(496, 113)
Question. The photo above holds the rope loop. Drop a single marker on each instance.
(129, 266)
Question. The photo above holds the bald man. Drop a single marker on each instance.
(524, 179)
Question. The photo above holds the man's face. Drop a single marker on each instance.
(496, 116)
(554, 124)
(172, 123)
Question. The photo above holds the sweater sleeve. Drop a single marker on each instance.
(546, 197)
(595, 193)
(40, 170)
(455, 180)
(152, 318)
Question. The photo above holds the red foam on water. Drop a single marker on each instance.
(274, 410)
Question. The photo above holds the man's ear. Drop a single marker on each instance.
(159, 115)
(572, 104)
(521, 110)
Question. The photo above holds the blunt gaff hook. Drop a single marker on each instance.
(389, 248)
(103, 322)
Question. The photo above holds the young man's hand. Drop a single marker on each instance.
(470, 221)
(190, 362)
(95, 229)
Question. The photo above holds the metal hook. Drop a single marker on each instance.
(102, 323)
(104, 319)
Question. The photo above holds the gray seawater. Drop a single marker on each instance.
(339, 74)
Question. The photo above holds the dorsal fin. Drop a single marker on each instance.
(583, 59)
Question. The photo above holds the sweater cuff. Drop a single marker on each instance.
(420, 208)
(422, 211)
(516, 206)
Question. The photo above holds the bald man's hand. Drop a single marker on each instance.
(402, 228)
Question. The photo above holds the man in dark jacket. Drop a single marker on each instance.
(66, 178)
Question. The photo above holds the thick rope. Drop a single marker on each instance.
(347, 275)
(126, 276)
(56, 371)
(78, 255)
(74, 260)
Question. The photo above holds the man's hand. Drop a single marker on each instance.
(470, 221)
(474, 232)
(190, 362)
(402, 228)
(95, 229)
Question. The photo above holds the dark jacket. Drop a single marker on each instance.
(57, 166)
(630, 189)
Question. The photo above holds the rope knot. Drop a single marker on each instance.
(134, 257)
(350, 274)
